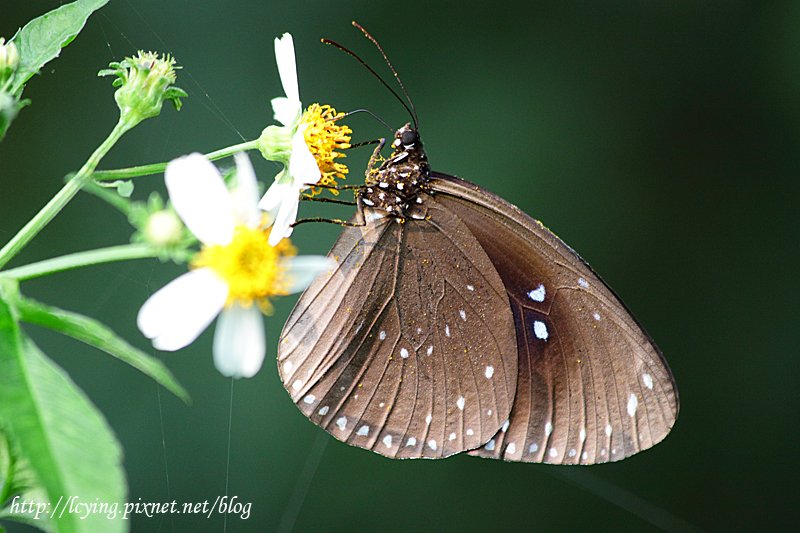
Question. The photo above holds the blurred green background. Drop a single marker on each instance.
(659, 139)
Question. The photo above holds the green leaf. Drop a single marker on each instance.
(96, 334)
(19, 484)
(42, 39)
(66, 440)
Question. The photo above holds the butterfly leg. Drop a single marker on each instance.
(373, 160)
(333, 187)
(310, 198)
(336, 221)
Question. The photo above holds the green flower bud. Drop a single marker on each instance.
(144, 82)
(275, 144)
(9, 59)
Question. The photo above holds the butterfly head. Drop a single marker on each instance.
(393, 188)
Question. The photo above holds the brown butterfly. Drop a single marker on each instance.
(454, 322)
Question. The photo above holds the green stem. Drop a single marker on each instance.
(111, 254)
(57, 203)
(158, 168)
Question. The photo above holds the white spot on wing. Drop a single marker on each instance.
(490, 445)
(540, 329)
(374, 215)
(297, 385)
(460, 402)
(452, 436)
(582, 434)
(511, 448)
(387, 441)
(403, 353)
(553, 452)
(447, 329)
(533, 448)
(537, 294)
(462, 314)
(583, 283)
(382, 335)
(608, 430)
(288, 366)
(505, 426)
(648, 381)
(411, 441)
(309, 399)
(489, 372)
(470, 432)
(429, 350)
(572, 452)
(596, 316)
(428, 419)
(470, 287)
(633, 403)
(363, 430)
(432, 444)
(341, 422)
(584, 456)
(323, 410)
(548, 429)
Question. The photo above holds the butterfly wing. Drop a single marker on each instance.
(407, 348)
(592, 386)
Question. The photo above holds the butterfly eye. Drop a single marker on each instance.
(409, 137)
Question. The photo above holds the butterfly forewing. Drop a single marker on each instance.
(408, 346)
(592, 387)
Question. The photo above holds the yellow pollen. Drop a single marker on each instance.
(324, 136)
(250, 266)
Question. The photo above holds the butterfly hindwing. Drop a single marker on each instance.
(592, 387)
(407, 347)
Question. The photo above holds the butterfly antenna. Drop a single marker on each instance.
(372, 71)
(413, 109)
(373, 115)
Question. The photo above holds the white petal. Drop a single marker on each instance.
(200, 198)
(239, 345)
(285, 217)
(287, 67)
(244, 198)
(286, 111)
(302, 165)
(280, 189)
(178, 313)
(302, 270)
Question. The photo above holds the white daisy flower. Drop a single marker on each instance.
(306, 144)
(282, 198)
(235, 274)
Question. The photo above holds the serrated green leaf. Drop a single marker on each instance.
(66, 440)
(42, 39)
(96, 334)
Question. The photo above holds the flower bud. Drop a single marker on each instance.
(163, 228)
(9, 59)
(144, 82)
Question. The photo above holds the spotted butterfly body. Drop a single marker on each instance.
(454, 322)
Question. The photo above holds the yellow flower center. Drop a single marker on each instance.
(250, 266)
(324, 136)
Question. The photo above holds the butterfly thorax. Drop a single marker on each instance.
(393, 188)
